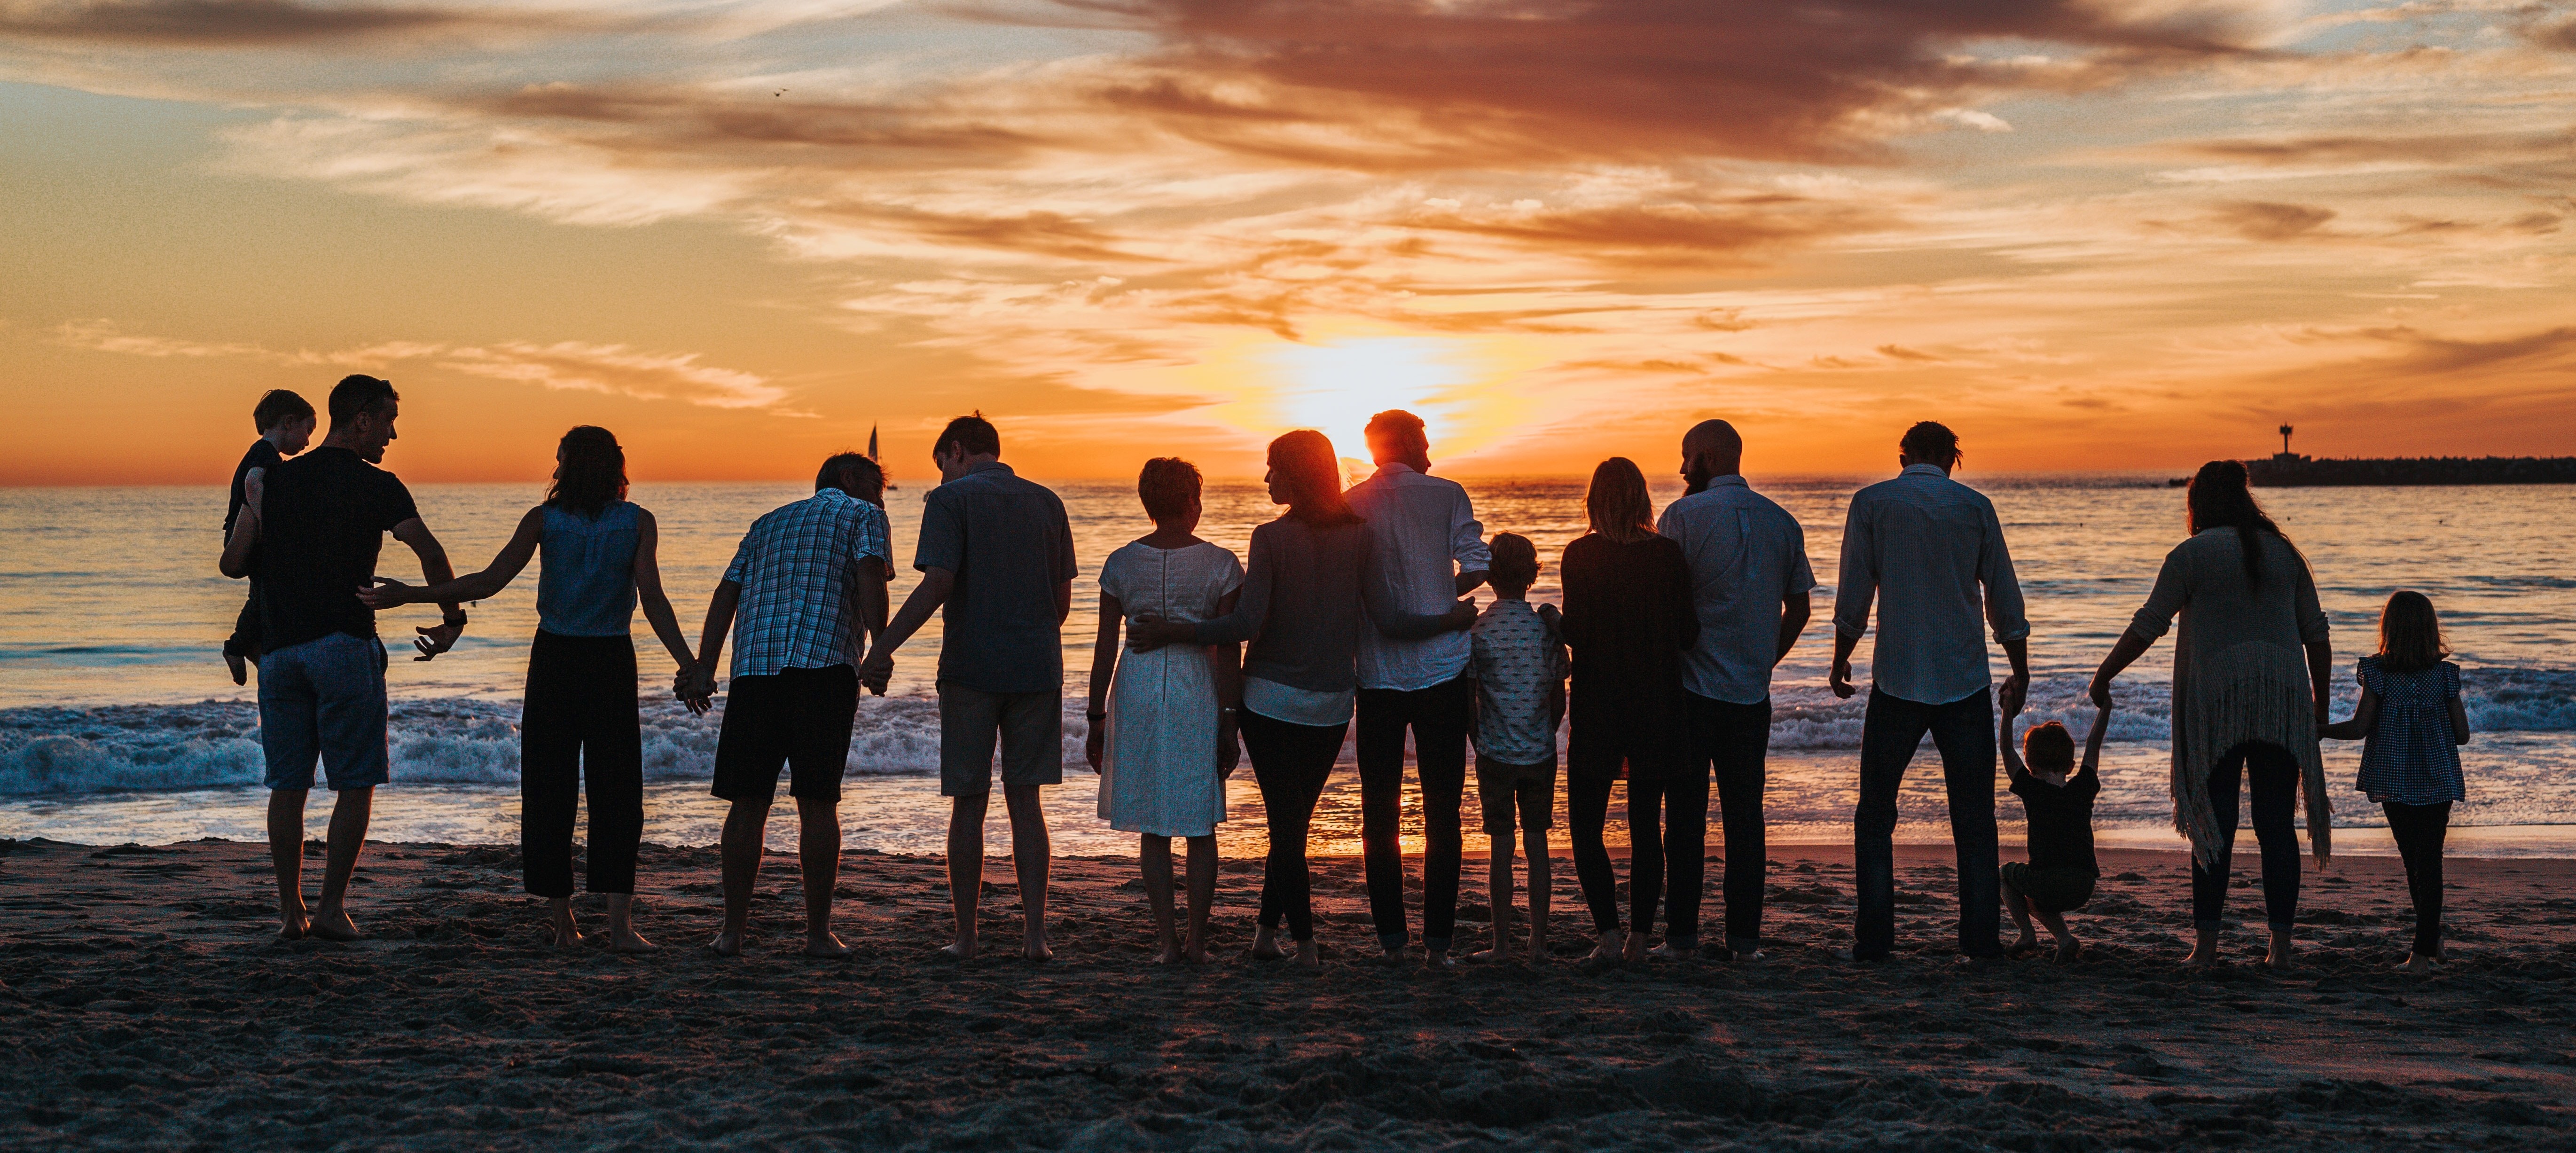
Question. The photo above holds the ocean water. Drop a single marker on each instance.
(117, 722)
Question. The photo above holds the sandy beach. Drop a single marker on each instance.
(147, 1007)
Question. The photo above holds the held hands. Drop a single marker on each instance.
(695, 692)
(877, 671)
(2016, 689)
(2100, 692)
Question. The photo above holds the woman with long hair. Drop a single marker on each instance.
(1628, 619)
(1306, 596)
(579, 723)
(2249, 691)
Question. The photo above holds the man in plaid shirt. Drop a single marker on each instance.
(809, 584)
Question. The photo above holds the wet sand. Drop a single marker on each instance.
(147, 1007)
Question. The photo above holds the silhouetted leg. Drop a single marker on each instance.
(2272, 779)
(1742, 743)
(1888, 734)
(1964, 731)
(1383, 715)
(1440, 760)
(2209, 885)
(1587, 808)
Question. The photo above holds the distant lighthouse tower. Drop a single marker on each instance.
(2285, 442)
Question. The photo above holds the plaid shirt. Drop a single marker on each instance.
(796, 567)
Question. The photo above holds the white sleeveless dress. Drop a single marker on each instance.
(1159, 763)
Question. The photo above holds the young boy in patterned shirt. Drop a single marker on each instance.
(1518, 662)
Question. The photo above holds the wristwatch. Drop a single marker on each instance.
(458, 620)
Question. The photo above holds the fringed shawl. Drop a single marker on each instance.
(2260, 693)
(2240, 672)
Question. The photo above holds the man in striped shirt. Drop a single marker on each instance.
(809, 587)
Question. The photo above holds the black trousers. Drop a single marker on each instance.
(1587, 812)
(2271, 774)
(1290, 762)
(1438, 717)
(580, 725)
(1733, 743)
(2419, 830)
(1964, 731)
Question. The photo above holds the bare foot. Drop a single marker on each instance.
(1195, 952)
(627, 940)
(2069, 950)
(240, 668)
(1310, 955)
(727, 943)
(1747, 956)
(2278, 956)
(1390, 958)
(1036, 949)
(2023, 946)
(294, 926)
(962, 949)
(1635, 952)
(826, 946)
(1500, 953)
(1437, 961)
(335, 925)
(1538, 949)
(560, 926)
(1672, 950)
(1265, 945)
(2203, 956)
(1612, 949)
(2416, 963)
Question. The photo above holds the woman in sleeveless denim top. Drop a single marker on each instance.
(580, 723)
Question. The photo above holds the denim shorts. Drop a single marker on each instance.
(325, 699)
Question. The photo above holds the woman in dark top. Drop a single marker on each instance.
(1301, 609)
(2058, 797)
(1628, 618)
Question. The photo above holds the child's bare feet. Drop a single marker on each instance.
(2069, 950)
(1265, 944)
(826, 945)
(728, 943)
(2023, 946)
(1538, 946)
(1034, 947)
(335, 925)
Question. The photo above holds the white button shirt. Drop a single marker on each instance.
(1423, 533)
(1922, 544)
(1747, 555)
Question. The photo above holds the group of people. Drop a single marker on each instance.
(1351, 616)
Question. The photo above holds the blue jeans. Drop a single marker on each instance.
(325, 699)
(1964, 731)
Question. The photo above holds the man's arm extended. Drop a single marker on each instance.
(932, 592)
(434, 569)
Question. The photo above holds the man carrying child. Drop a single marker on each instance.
(1517, 658)
(285, 423)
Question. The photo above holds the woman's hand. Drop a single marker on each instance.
(1229, 745)
(1095, 743)
(387, 593)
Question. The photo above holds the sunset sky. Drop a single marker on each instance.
(2097, 234)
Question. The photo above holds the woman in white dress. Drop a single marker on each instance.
(1162, 722)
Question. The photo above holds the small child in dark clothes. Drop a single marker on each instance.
(285, 421)
(2058, 796)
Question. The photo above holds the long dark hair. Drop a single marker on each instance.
(2219, 498)
(592, 472)
(1618, 505)
(1314, 474)
(2410, 633)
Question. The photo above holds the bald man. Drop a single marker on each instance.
(1749, 582)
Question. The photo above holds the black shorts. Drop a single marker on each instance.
(798, 716)
(2058, 889)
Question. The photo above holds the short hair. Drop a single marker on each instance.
(357, 393)
(1714, 436)
(1403, 430)
(970, 434)
(1617, 503)
(592, 471)
(2410, 633)
(2049, 747)
(839, 463)
(1167, 485)
(1931, 442)
(278, 406)
(1514, 563)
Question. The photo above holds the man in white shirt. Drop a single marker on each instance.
(1924, 546)
(1749, 582)
(1428, 548)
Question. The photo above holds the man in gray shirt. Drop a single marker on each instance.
(1924, 546)
(1749, 583)
(997, 552)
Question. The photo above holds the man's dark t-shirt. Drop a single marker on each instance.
(322, 518)
(1009, 544)
(261, 455)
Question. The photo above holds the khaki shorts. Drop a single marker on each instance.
(1029, 727)
(1503, 789)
